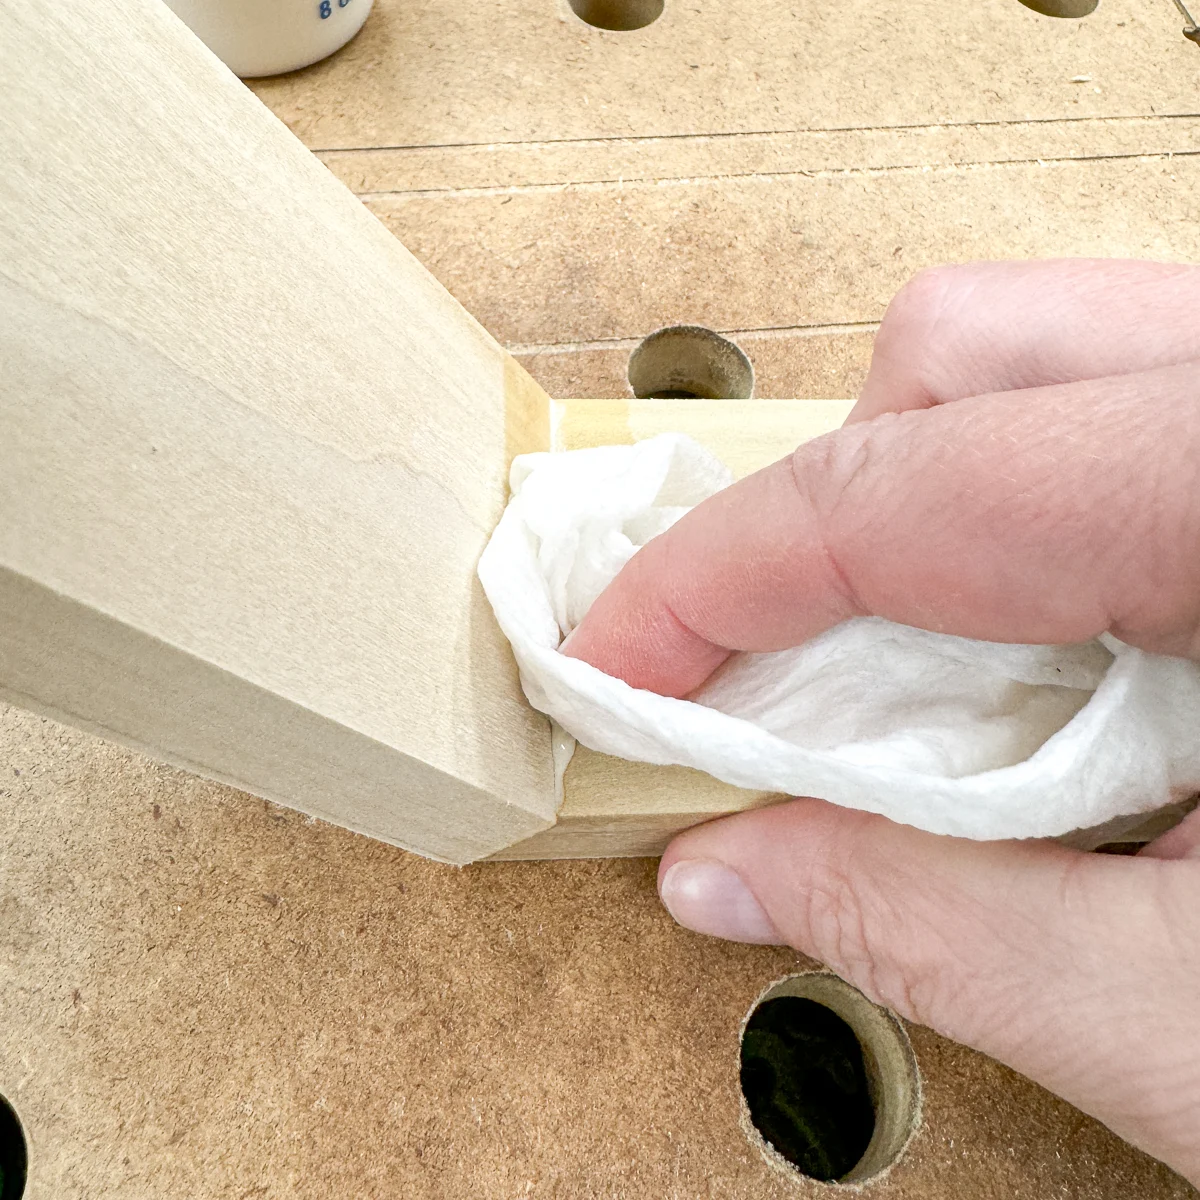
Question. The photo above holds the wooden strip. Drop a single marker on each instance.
(250, 451)
(745, 434)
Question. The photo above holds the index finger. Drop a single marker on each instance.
(1045, 516)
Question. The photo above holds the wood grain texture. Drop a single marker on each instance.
(250, 451)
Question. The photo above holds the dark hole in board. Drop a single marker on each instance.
(618, 14)
(689, 362)
(805, 1084)
(14, 1155)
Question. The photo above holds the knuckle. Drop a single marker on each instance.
(872, 927)
(835, 468)
(924, 299)
(856, 931)
(845, 461)
(844, 480)
(918, 329)
(835, 919)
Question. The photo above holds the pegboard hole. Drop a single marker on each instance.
(1070, 10)
(689, 362)
(618, 14)
(829, 1082)
(14, 1154)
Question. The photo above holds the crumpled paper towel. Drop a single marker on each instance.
(955, 736)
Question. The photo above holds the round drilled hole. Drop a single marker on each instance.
(829, 1081)
(689, 362)
(1069, 9)
(14, 1154)
(617, 14)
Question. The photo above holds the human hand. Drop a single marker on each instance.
(1023, 465)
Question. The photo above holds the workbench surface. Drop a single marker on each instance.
(208, 996)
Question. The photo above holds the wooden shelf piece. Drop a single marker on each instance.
(250, 451)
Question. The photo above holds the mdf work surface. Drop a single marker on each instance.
(206, 995)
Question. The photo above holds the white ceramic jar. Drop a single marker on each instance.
(266, 37)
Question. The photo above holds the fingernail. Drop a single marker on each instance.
(709, 897)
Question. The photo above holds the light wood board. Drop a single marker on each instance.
(250, 451)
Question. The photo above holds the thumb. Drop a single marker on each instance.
(1077, 970)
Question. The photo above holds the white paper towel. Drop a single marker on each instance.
(955, 736)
